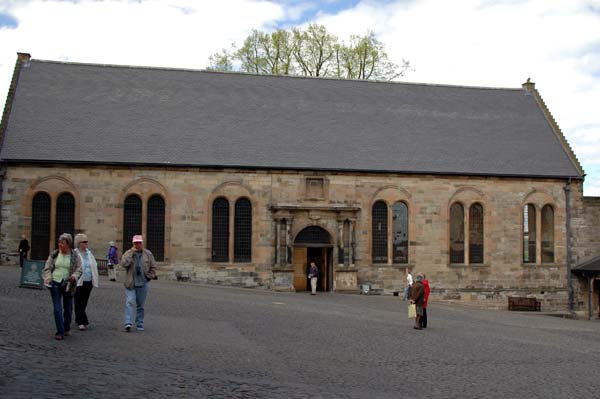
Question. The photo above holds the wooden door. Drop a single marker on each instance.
(299, 262)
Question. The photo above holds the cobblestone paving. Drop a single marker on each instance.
(214, 342)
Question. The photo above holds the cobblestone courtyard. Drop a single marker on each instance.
(219, 342)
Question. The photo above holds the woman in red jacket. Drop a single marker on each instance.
(425, 300)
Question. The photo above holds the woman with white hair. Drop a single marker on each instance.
(62, 270)
(86, 282)
(112, 260)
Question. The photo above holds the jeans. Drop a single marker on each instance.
(137, 296)
(406, 293)
(82, 295)
(62, 320)
(22, 257)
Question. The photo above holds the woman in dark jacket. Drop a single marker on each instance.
(417, 296)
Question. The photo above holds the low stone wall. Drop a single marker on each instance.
(551, 300)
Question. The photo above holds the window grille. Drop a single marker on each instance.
(400, 232)
(155, 225)
(476, 234)
(457, 234)
(65, 216)
(313, 235)
(220, 230)
(547, 234)
(132, 219)
(379, 236)
(242, 232)
(529, 234)
(40, 226)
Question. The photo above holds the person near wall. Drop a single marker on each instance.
(112, 260)
(313, 275)
(409, 283)
(417, 297)
(425, 301)
(140, 268)
(23, 249)
(86, 282)
(60, 274)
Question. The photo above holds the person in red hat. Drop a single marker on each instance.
(140, 268)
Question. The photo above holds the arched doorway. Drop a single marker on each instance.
(313, 243)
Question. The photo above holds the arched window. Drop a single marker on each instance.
(379, 234)
(400, 232)
(220, 230)
(155, 226)
(132, 219)
(547, 234)
(242, 231)
(40, 226)
(529, 233)
(65, 215)
(476, 233)
(457, 234)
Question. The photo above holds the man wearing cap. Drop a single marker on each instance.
(140, 268)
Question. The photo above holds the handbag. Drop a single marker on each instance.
(412, 311)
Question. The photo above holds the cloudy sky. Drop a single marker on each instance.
(494, 43)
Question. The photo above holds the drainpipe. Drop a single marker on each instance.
(590, 294)
(567, 189)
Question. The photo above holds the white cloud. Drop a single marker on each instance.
(467, 42)
(173, 33)
(498, 44)
(593, 188)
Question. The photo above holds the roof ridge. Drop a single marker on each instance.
(241, 73)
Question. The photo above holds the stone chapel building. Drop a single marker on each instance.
(240, 179)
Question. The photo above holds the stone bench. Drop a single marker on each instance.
(102, 266)
(182, 275)
(524, 304)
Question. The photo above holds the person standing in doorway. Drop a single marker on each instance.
(417, 297)
(23, 249)
(60, 275)
(409, 283)
(313, 275)
(140, 268)
(112, 260)
(87, 281)
(425, 301)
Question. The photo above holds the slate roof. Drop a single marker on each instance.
(69, 112)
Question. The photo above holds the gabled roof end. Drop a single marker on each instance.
(529, 86)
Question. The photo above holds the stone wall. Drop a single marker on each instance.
(323, 199)
(586, 228)
(586, 241)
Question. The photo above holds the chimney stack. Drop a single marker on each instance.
(529, 85)
(23, 59)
